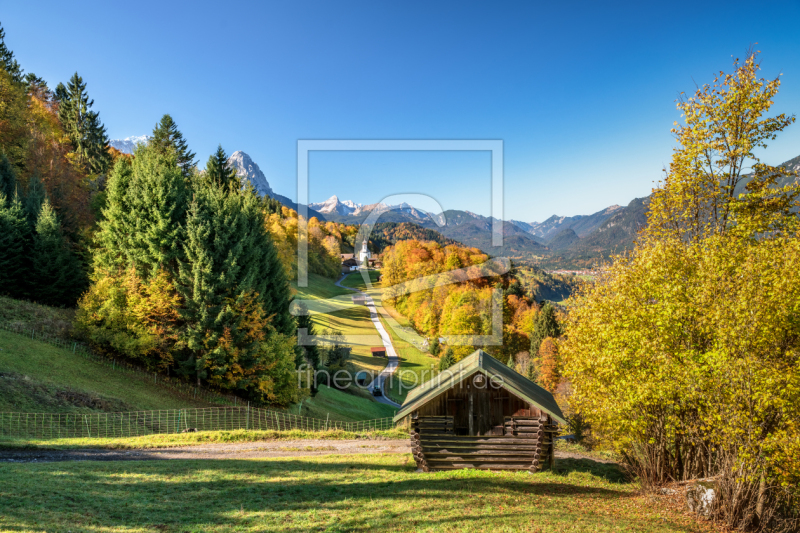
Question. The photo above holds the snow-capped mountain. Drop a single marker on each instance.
(246, 168)
(127, 145)
(335, 206)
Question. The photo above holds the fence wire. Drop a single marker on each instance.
(139, 423)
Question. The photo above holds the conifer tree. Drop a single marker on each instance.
(545, 326)
(14, 236)
(219, 172)
(145, 214)
(58, 277)
(7, 61)
(34, 198)
(308, 354)
(82, 125)
(167, 138)
(116, 225)
(230, 264)
(8, 178)
(447, 360)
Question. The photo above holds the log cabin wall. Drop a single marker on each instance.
(489, 407)
(527, 444)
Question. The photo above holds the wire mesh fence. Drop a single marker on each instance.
(139, 423)
(181, 387)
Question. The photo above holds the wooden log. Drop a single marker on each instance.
(480, 466)
(482, 453)
(486, 447)
(526, 422)
(489, 439)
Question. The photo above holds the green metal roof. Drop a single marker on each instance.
(480, 361)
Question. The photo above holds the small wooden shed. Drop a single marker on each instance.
(378, 351)
(479, 413)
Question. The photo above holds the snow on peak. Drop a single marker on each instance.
(128, 144)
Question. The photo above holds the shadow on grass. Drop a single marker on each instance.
(609, 471)
(285, 495)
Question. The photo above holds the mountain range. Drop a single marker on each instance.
(127, 145)
(558, 242)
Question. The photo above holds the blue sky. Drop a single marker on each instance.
(582, 95)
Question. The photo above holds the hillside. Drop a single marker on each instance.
(36, 377)
(387, 233)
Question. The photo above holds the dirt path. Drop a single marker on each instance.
(243, 450)
(239, 450)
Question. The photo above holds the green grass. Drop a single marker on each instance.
(54, 320)
(344, 406)
(319, 288)
(328, 493)
(356, 281)
(416, 367)
(171, 440)
(38, 377)
(351, 321)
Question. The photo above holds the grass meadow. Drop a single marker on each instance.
(323, 493)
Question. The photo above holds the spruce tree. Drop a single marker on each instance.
(82, 125)
(308, 354)
(34, 198)
(7, 61)
(545, 326)
(117, 224)
(14, 237)
(229, 259)
(447, 360)
(167, 138)
(158, 201)
(56, 272)
(8, 178)
(219, 172)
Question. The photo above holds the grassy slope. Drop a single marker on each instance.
(357, 404)
(352, 321)
(36, 376)
(344, 406)
(416, 366)
(328, 493)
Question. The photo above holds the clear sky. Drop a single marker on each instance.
(582, 94)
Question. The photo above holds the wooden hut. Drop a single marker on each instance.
(481, 414)
(378, 351)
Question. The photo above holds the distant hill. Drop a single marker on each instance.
(563, 239)
(387, 233)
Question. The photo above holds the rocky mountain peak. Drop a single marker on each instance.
(247, 169)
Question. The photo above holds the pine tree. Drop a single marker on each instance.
(229, 260)
(308, 354)
(34, 198)
(168, 139)
(56, 272)
(8, 178)
(545, 326)
(116, 225)
(219, 172)
(447, 360)
(82, 125)
(511, 363)
(146, 214)
(7, 61)
(14, 236)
